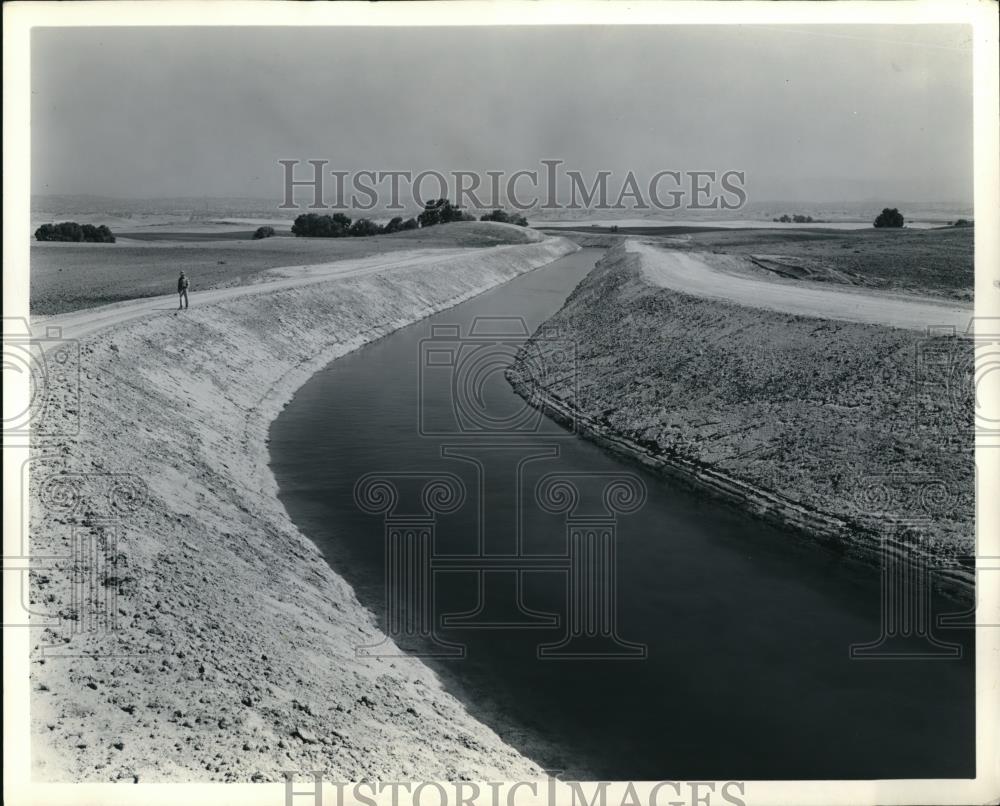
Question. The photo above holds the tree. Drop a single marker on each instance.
(889, 218)
(496, 215)
(439, 211)
(305, 225)
(505, 218)
(311, 225)
(410, 223)
(364, 227)
(263, 232)
(431, 214)
(451, 213)
(394, 225)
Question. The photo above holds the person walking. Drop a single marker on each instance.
(182, 291)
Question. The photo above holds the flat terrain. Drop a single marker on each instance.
(934, 262)
(69, 276)
(923, 261)
(180, 235)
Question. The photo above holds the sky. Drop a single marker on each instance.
(820, 113)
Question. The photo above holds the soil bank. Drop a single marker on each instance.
(233, 654)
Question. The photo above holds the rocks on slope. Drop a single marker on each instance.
(848, 430)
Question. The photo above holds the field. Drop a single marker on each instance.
(69, 276)
(936, 262)
(170, 235)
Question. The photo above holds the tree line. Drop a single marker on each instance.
(439, 211)
(795, 219)
(890, 218)
(338, 225)
(78, 233)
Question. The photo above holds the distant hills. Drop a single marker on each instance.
(197, 207)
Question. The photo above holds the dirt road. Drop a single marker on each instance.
(78, 324)
(701, 274)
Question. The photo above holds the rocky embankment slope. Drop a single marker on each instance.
(850, 432)
(233, 653)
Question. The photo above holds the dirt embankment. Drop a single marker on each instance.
(234, 656)
(848, 431)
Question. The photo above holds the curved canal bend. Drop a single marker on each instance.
(746, 627)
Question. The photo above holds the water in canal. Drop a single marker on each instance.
(600, 619)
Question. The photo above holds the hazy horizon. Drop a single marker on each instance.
(276, 197)
(811, 114)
